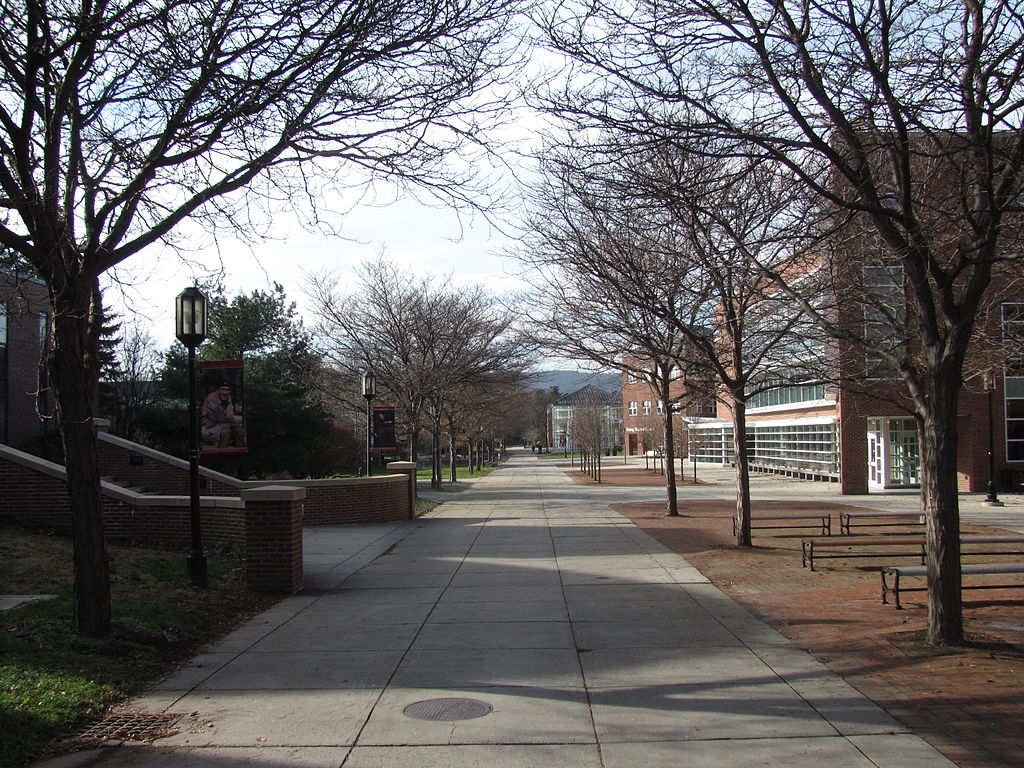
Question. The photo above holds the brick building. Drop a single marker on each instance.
(24, 329)
(862, 433)
(643, 413)
(865, 440)
(564, 413)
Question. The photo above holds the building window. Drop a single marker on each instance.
(796, 393)
(808, 448)
(712, 444)
(647, 407)
(884, 316)
(632, 407)
(1013, 383)
(661, 407)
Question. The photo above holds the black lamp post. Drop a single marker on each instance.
(991, 499)
(190, 327)
(369, 390)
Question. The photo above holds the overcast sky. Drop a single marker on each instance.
(425, 239)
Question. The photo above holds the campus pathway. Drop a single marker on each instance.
(575, 639)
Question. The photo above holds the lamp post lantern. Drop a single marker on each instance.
(190, 326)
(369, 391)
(991, 500)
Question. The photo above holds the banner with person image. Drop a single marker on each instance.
(221, 407)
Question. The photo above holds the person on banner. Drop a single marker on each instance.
(221, 421)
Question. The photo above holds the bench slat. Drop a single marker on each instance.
(896, 571)
(808, 546)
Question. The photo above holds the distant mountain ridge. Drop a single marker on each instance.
(570, 381)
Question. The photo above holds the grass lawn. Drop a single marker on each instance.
(462, 473)
(52, 679)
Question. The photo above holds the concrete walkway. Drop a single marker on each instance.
(522, 624)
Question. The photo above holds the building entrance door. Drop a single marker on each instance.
(876, 456)
(894, 455)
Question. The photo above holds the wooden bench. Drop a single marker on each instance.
(898, 571)
(820, 519)
(876, 519)
(808, 546)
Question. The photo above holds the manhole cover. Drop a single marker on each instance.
(131, 726)
(448, 709)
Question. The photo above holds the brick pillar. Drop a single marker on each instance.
(407, 468)
(273, 538)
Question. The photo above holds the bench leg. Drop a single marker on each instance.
(808, 554)
(895, 589)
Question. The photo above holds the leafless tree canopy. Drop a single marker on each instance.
(434, 346)
(902, 118)
(651, 252)
(120, 120)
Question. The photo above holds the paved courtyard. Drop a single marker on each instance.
(524, 623)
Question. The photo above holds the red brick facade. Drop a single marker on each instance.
(24, 400)
(273, 538)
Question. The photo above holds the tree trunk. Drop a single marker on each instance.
(940, 505)
(435, 448)
(739, 429)
(414, 440)
(452, 468)
(671, 492)
(72, 369)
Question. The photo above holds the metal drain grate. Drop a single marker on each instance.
(131, 726)
(448, 709)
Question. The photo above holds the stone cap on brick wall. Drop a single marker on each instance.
(274, 493)
(154, 500)
(329, 481)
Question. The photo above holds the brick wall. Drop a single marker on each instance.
(268, 523)
(136, 465)
(328, 501)
(34, 493)
(381, 499)
(273, 539)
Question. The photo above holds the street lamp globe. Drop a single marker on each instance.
(369, 384)
(190, 317)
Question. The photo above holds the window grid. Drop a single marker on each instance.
(809, 448)
(1013, 387)
(798, 393)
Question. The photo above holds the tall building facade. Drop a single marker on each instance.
(25, 400)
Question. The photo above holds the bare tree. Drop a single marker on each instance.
(133, 379)
(900, 116)
(427, 339)
(120, 121)
(662, 253)
(590, 430)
